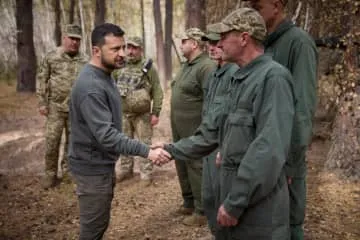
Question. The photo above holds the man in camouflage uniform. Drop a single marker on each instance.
(55, 78)
(139, 85)
(186, 107)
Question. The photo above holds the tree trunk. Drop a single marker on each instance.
(82, 20)
(72, 11)
(26, 72)
(344, 154)
(113, 11)
(57, 30)
(159, 42)
(168, 38)
(143, 24)
(100, 12)
(195, 14)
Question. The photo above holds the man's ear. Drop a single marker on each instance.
(96, 51)
(278, 6)
(195, 44)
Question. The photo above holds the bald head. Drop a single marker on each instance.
(273, 11)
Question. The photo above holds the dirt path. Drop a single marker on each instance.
(28, 212)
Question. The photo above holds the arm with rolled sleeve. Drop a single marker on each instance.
(95, 111)
(262, 165)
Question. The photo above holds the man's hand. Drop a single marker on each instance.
(159, 156)
(154, 120)
(224, 219)
(43, 110)
(218, 160)
(157, 145)
(289, 180)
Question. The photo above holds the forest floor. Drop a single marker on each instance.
(29, 212)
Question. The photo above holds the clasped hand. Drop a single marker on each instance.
(158, 155)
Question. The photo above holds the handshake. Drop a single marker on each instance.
(158, 155)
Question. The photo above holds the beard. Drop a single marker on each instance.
(133, 59)
(111, 65)
(108, 65)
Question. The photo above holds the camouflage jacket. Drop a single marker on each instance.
(56, 76)
(132, 78)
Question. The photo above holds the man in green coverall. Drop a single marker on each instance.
(215, 94)
(254, 137)
(186, 107)
(295, 49)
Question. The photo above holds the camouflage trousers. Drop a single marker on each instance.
(136, 125)
(57, 122)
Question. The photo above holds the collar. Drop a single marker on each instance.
(100, 72)
(197, 59)
(136, 62)
(243, 72)
(279, 31)
(65, 55)
(222, 69)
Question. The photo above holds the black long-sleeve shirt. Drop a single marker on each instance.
(96, 140)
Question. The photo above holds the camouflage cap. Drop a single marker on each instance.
(211, 36)
(243, 20)
(191, 33)
(73, 30)
(135, 41)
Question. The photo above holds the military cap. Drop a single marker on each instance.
(73, 30)
(192, 33)
(243, 20)
(211, 36)
(135, 41)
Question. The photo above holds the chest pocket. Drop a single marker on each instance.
(239, 133)
(217, 108)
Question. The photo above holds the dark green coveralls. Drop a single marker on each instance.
(295, 49)
(216, 93)
(254, 139)
(186, 107)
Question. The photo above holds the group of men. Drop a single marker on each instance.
(241, 119)
(139, 87)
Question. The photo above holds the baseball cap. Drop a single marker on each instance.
(211, 36)
(191, 33)
(135, 41)
(73, 30)
(243, 20)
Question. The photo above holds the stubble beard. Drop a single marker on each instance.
(106, 64)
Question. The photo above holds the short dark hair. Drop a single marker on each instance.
(101, 31)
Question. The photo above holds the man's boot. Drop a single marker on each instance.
(145, 180)
(49, 181)
(195, 220)
(184, 211)
(123, 175)
(66, 178)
